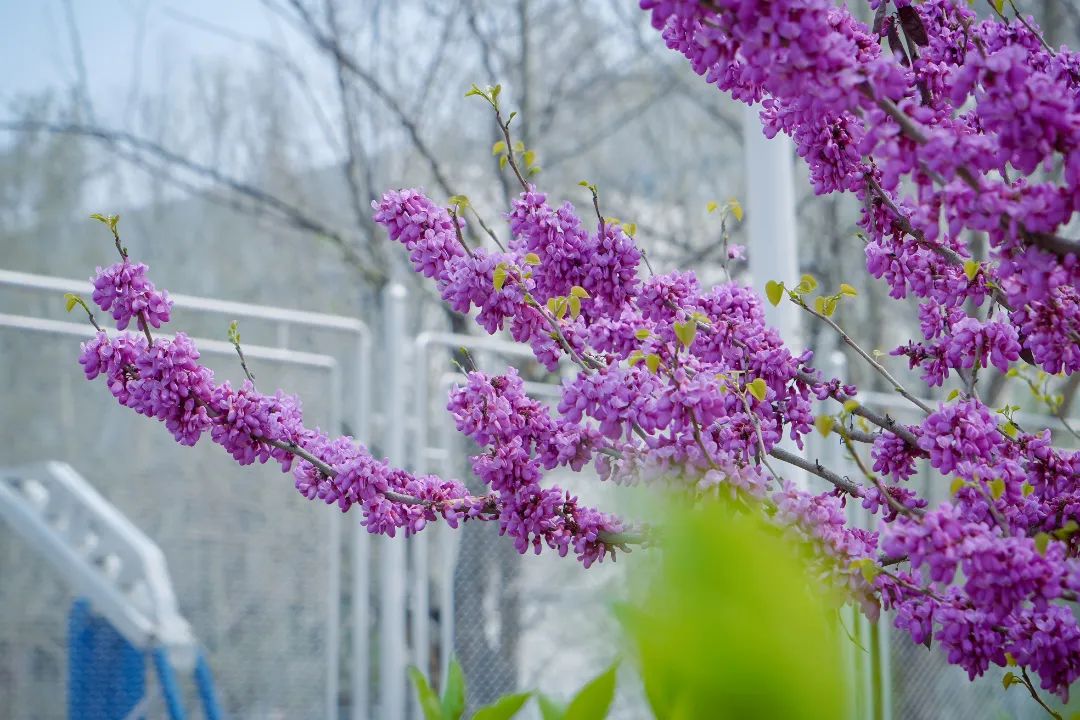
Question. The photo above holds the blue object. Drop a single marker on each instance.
(170, 689)
(205, 682)
(106, 673)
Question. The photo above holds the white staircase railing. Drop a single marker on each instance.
(99, 553)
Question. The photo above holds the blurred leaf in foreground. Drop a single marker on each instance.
(729, 626)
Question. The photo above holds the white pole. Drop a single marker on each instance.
(392, 566)
(770, 220)
(419, 600)
(361, 553)
(333, 585)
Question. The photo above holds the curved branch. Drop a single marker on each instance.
(349, 63)
(120, 138)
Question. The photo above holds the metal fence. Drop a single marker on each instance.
(301, 612)
(256, 572)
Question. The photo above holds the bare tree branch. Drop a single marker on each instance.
(295, 216)
(329, 45)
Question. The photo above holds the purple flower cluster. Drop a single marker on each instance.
(246, 421)
(524, 440)
(689, 387)
(822, 78)
(124, 290)
(688, 415)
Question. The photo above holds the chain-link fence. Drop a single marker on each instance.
(270, 591)
(253, 564)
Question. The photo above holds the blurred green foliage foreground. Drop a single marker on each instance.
(725, 624)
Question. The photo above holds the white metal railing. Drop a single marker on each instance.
(99, 552)
(359, 416)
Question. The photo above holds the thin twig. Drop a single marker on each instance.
(1035, 694)
(491, 234)
(892, 502)
(866, 356)
(816, 468)
(457, 230)
(505, 127)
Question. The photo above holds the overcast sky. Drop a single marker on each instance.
(125, 43)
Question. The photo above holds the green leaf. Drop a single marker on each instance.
(498, 148)
(453, 699)
(529, 157)
(1042, 541)
(766, 621)
(868, 568)
(824, 424)
(736, 209)
(635, 357)
(234, 332)
(952, 395)
(71, 300)
(826, 305)
(475, 91)
(593, 701)
(1009, 680)
(971, 269)
(579, 292)
(534, 170)
(495, 92)
(502, 162)
(774, 291)
(652, 361)
(957, 485)
(997, 488)
(808, 283)
(560, 307)
(109, 220)
(429, 701)
(532, 259)
(575, 305)
(549, 709)
(519, 146)
(1066, 532)
(504, 708)
(643, 333)
(498, 277)
(1027, 489)
(1010, 660)
(711, 206)
(1010, 429)
(686, 332)
(758, 389)
(851, 405)
(630, 229)
(846, 289)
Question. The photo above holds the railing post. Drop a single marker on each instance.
(392, 560)
(360, 667)
(773, 246)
